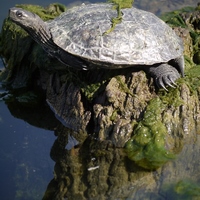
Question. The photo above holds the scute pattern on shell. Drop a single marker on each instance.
(141, 37)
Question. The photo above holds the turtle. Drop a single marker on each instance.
(78, 39)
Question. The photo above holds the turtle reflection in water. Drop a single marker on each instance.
(77, 39)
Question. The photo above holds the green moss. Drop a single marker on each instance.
(92, 86)
(187, 188)
(147, 146)
(118, 5)
(192, 78)
(90, 90)
(171, 97)
(183, 189)
(115, 20)
(188, 63)
(122, 3)
(124, 86)
(174, 18)
(196, 40)
(114, 115)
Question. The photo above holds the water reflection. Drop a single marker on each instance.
(25, 165)
(95, 170)
(84, 167)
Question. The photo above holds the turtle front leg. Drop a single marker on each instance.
(164, 75)
(179, 63)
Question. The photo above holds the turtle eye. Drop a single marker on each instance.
(19, 14)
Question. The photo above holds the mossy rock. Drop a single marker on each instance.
(187, 21)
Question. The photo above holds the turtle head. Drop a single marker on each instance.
(24, 18)
(32, 24)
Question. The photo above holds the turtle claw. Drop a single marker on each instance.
(172, 81)
(160, 83)
(165, 75)
(167, 80)
(169, 84)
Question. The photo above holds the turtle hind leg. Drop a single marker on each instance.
(164, 75)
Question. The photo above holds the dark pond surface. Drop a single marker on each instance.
(25, 164)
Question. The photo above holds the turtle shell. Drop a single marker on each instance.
(140, 39)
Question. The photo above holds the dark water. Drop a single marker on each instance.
(25, 164)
